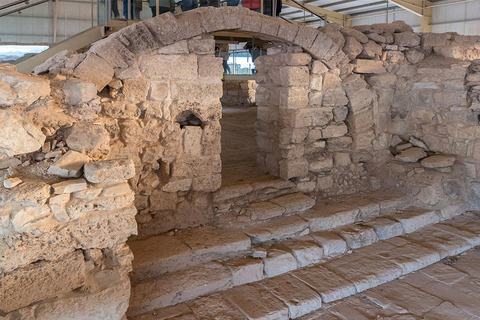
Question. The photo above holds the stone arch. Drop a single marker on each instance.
(120, 50)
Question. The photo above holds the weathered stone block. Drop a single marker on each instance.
(197, 90)
(321, 165)
(77, 91)
(159, 91)
(163, 27)
(90, 138)
(95, 70)
(334, 130)
(296, 168)
(305, 37)
(210, 67)
(174, 67)
(406, 39)
(17, 135)
(192, 166)
(306, 117)
(70, 165)
(135, 89)
(27, 194)
(368, 66)
(294, 98)
(114, 170)
(42, 280)
(294, 76)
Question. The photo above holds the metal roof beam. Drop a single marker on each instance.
(414, 6)
(324, 13)
(361, 6)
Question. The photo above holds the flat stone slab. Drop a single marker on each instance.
(446, 244)
(214, 242)
(265, 210)
(158, 255)
(364, 273)
(385, 228)
(278, 262)
(69, 186)
(280, 228)
(322, 217)
(214, 306)
(231, 192)
(295, 202)
(438, 161)
(306, 252)
(299, 297)
(257, 302)
(70, 165)
(245, 270)
(176, 287)
(411, 155)
(357, 236)
(415, 218)
(329, 285)
(331, 243)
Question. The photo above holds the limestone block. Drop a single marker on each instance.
(245, 270)
(210, 67)
(297, 59)
(370, 50)
(113, 51)
(339, 144)
(294, 76)
(306, 252)
(159, 91)
(17, 135)
(321, 165)
(192, 140)
(174, 67)
(340, 113)
(295, 202)
(296, 168)
(318, 67)
(69, 186)
(331, 81)
(368, 66)
(70, 165)
(115, 189)
(42, 280)
(196, 90)
(294, 98)
(135, 90)
(415, 219)
(265, 210)
(352, 47)
(212, 306)
(95, 70)
(287, 31)
(201, 46)
(76, 208)
(386, 228)
(376, 37)
(438, 161)
(357, 236)
(329, 285)
(27, 194)
(330, 242)
(232, 192)
(305, 37)
(92, 139)
(114, 170)
(299, 297)
(208, 183)
(307, 117)
(195, 166)
(211, 139)
(359, 36)
(406, 39)
(414, 56)
(278, 262)
(176, 185)
(324, 48)
(163, 27)
(163, 201)
(365, 139)
(110, 301)
(334, 131)
(180, 47)
(22, 89)
(293, 135)
(277, 229)
(257, 302)
(332, 98)
(77, 91)
(411, 155)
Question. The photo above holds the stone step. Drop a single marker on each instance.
(168, 253)
(299, 292)
(278, 258)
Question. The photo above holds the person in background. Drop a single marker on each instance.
(115, 12)
(125, 9)
(164, 6)
(251, 4)
(189, 4)
(255, 5)
(255, 52)
(233, 3)
(224, 53)
(138, 8)
(209, 3)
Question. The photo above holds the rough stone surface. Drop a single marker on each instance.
(109, 170)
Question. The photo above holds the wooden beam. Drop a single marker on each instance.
(414, 6)
(328, 15)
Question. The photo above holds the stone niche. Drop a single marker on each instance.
(129, 133)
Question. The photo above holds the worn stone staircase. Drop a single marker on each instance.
(250, 271)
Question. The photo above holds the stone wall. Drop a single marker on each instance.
(239, 92)
(64, 217)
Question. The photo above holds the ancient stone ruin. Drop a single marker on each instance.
(369, 132)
